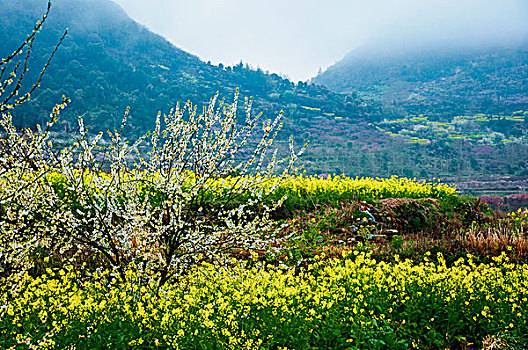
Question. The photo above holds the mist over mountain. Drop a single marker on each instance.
(296, 37)
(441, 77)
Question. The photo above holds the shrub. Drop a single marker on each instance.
(163, 209)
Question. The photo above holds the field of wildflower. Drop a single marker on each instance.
(353, 302)
(357, 295)
(304, 191)
(299, 191)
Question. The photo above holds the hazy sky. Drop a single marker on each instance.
(296, 37)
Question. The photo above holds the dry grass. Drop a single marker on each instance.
(494, 240)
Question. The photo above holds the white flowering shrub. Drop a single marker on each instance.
(188, 197)
(23, 159)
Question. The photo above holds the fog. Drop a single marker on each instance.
(297, 37)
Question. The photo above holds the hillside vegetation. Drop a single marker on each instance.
(460, 109)
(108, 62)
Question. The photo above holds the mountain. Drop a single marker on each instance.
(444, 80)
(108, 62)
(461, 109)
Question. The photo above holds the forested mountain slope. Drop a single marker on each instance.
(440, 80)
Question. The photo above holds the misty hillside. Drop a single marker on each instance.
(444, 81)
(108, 62)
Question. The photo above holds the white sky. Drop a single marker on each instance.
(296, 37)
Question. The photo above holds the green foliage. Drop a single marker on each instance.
(397, 242)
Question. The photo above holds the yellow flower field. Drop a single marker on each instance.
(349, 303)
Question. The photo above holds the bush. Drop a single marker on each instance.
(163, 209)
